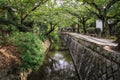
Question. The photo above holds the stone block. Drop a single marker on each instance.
(104, 77)
(100, 79)
(99, 73)
(111, 78)
(109, 71)
(108, 63)
(116, 75)
(114, 66)
(118, 58)
(104, 69)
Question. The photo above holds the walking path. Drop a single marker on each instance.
(103, 42)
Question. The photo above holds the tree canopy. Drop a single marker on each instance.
(41, 19)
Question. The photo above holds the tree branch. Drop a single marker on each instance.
(110, 3)
(34, 8)
(74, 14)
(52, 28)
(95, 13)
(94, 5)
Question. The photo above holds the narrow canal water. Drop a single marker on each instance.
(56, 66)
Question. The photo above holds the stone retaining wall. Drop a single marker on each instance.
(92, 61)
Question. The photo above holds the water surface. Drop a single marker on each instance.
(56, 66)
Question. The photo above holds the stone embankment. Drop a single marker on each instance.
(92, 57)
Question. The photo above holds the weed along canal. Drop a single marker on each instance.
(57, 65)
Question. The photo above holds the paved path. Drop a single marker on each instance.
(104, 42)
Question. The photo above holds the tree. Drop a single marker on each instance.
(52, 16)
(48, 17)
(101, 9)
(20, 10)
(82, 14)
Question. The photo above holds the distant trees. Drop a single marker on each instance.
(52, 16)
(101, 9)
(107, 10)
(83, 16)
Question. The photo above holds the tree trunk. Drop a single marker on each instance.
(110, 30)
(73, 27)
(103, 26)
(78, 28)
(84, 28)
(105, 31)
(118, 41)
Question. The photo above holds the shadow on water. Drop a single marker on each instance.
(56, 66)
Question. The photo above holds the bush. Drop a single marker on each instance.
(5, 31)
(30, 49)
(97, 30)
(91, 30)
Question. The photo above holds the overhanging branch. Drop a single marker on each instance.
(34, 8)
(110, 3)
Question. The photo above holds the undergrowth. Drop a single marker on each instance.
(30, 48)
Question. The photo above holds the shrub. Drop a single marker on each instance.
(91, 30)
(97, 30)
(30, 49)
(5, 31)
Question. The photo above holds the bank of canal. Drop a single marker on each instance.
(57, 65)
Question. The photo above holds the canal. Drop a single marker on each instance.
(57, 65)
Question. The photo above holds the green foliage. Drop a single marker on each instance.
(5, 31)
(117, 29)
(97, 30)
(42, 37)
(17, 12)
(55, 40)
(30, 48)
(7, 28)
(54, 35)
(91, 30)
(91, 22)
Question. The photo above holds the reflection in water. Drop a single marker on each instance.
(56, 66)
